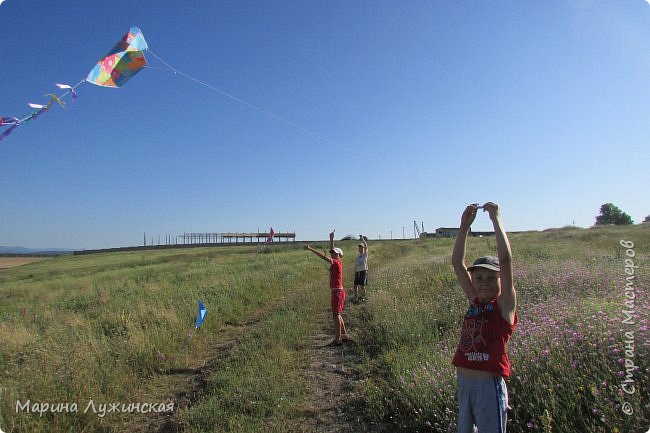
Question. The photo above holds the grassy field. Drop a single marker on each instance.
(569, 352)
(114, 329)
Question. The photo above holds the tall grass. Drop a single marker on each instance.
(262, 385)
(101, 327)
(568, 352)
(110, 327)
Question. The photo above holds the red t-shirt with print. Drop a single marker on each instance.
(336, 274)
(483, 339)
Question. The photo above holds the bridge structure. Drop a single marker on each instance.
(233, 238)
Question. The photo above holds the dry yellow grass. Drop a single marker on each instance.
(10, 262)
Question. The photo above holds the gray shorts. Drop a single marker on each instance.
(482, 403)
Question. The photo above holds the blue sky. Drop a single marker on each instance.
(391, 112)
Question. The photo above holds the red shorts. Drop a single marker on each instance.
(338, 299)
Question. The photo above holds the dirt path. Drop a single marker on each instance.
(334, 384)
(186, 386)
(333, 393)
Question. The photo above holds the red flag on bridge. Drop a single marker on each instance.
(269, 238)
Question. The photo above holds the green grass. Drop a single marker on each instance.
(566, 353)
(263, 384)
(109, 327)
(96, 326)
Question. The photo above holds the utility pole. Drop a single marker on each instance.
(416, 229)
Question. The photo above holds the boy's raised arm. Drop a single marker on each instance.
(318, 253)
(365, 243)
(458, 255)
(508, 297)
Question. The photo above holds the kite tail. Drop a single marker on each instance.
(9, 131)
(16, 122)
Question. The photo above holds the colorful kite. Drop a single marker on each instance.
(200, 315)
(121, 63)
(116, 68)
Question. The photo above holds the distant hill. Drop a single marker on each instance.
(38, 251)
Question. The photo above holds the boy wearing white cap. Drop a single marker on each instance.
(336, 287)
(481, 359)
(361, 271)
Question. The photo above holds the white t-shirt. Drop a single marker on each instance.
(361, 263)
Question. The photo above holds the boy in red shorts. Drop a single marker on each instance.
(336, 286)
(481, 358)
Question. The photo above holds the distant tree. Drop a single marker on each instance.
(610, 214)
(647, 219)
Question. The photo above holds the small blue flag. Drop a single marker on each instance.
(200, 316)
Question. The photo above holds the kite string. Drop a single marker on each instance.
(248, 104)
(297, 126)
